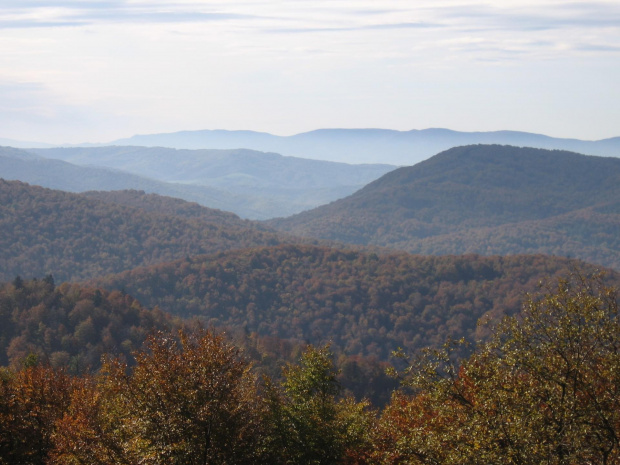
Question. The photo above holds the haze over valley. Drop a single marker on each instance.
(251, 184)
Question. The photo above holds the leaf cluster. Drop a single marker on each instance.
(191, 398)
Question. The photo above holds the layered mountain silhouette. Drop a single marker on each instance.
(251, 184)
(482, 199)
(367, 145)
(20, 165)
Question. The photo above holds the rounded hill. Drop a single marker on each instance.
(473, 188)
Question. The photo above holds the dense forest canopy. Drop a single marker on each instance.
(70, 325)
(543, 389)
(361, 302)
(482, 199)
(76, 237)
(291, 367)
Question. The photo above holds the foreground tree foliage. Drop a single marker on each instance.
(309, 424)
(31, 402)
(189, 400)
(546, 389)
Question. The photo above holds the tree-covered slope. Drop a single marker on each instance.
(20, 165)
(155, 203)
(589, 233)
(363, 303)
(448, 203)
(545, 388)
(259, 185)
(70, 325)
(44, 231)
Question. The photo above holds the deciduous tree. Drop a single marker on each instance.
(311, 425)
(546, 389)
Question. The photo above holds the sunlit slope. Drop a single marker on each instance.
(483, 199)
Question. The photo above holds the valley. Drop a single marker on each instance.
(251, 184)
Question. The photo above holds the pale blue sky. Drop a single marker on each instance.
(75, 71)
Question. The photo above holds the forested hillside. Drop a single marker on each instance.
(251, 184)
(95, 375)
(71, 325)
(363, 303)
(482, 199)
(75, 237)
(589, 234)
(171, 206)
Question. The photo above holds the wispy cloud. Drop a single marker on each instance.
(598, 48)
(317, 17)
(541, 17)
(30, 14)
(369, 27)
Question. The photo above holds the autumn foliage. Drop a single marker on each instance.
(544, 389)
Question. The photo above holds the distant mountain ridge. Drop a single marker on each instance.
(367, 145)
(252, 184)
(20, 165)
(482, 199)
(221, 168)
(21, 144)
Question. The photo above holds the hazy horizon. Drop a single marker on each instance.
(79, 72)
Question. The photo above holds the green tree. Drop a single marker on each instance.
(545, 390)
(310, 425)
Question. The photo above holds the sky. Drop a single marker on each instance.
(97, 70)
